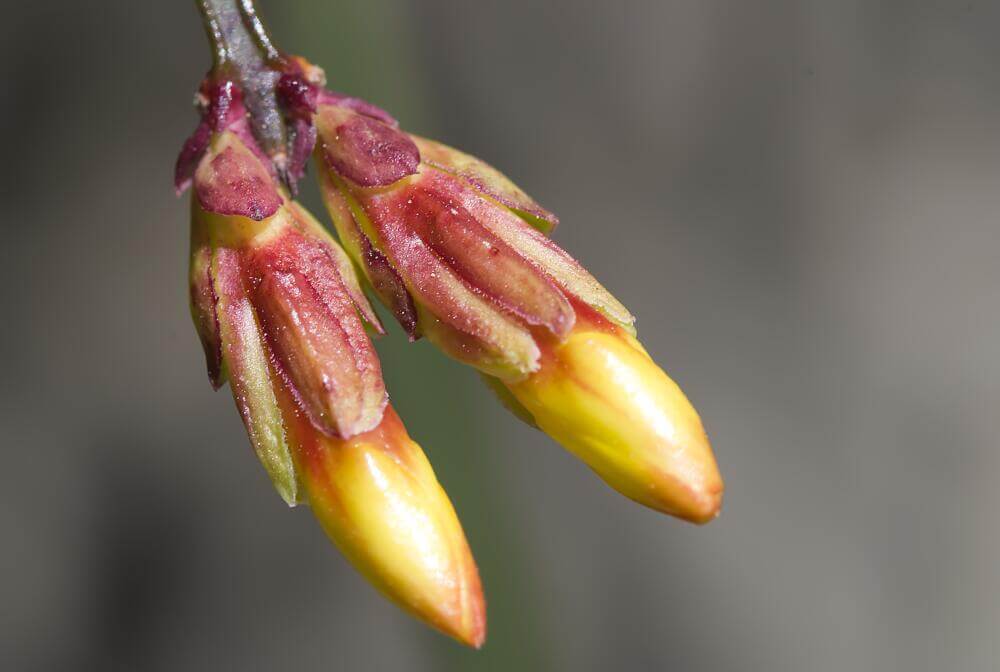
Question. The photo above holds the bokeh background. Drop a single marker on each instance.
(798, 199)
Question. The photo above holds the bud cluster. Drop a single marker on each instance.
(457, 253)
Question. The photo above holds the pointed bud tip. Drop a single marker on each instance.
(468, 626)
(602, 397)
(698, 507)
(474, 637)
(711, 509)
(377, 498)
(690, 487)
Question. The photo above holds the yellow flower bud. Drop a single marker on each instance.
(377, 498)
(604, 399)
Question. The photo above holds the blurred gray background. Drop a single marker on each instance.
(797, 199)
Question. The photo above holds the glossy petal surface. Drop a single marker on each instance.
(377, 498)
(602, 397)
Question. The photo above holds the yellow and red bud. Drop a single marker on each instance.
(270, 290)
(606, 401)
(377, 498)
(458, 253)
(467, 248)
(281, 316)
(299, 319)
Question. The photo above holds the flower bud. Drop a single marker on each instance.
(378, 500)
(459, 253)
(601, 396)
(281, 316)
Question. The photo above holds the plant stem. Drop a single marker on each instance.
(236, 33)
(243, 51)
